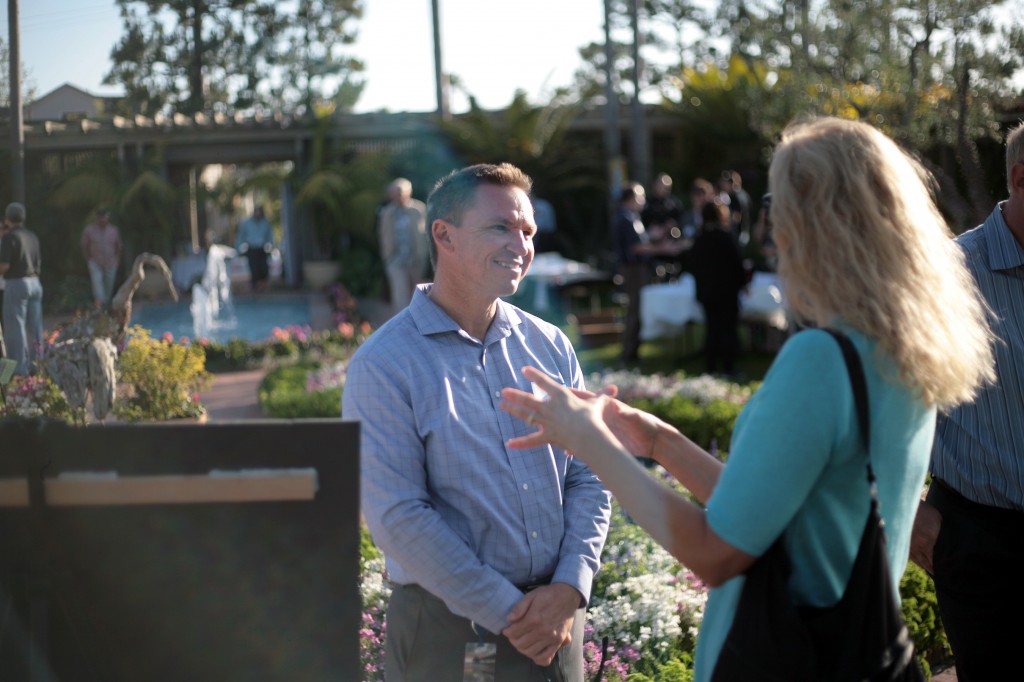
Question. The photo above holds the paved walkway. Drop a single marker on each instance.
(233, 396)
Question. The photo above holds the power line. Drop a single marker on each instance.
(79, 16)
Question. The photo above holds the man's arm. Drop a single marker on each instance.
(927, 524)
(4, 267)
(397, 505)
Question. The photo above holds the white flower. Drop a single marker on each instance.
(327, 377)
(702, 389)
(373, 587)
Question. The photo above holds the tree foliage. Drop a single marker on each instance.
(672, 36)
(930, 73)
(236, 55)
(537, 140)
(28, 87)
(927, 72)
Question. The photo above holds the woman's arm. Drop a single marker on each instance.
(687, 462)
(577, 424)
(644, 435)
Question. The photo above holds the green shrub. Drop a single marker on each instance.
(159, 379)
(921, 612)
(703, 424)
(367, 550)
(283, 394)
(361, 270)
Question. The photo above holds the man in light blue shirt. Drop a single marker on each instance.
(255, 241)
(485, 545)
(969, 534)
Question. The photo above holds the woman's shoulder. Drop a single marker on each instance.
(813, 343)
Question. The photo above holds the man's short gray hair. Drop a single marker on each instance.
(1014, 151)
(15, 213)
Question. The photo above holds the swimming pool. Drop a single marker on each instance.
(254, 318)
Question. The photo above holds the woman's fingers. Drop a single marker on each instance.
(515, 409)
(543, 380)
(521, 400)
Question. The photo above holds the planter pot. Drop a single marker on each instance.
(319, 274)
(180, 421)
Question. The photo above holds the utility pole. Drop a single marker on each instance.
(640, 158)
(612, 132)
(440, 81)
(17, 115)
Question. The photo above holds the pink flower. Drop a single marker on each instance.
(168, 337)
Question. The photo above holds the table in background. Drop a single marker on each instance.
(666, 309)
(540, 292)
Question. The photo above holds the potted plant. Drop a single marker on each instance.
(37, 396)
(160, 380)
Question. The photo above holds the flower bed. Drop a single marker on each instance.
(645, 608)
(37, 396)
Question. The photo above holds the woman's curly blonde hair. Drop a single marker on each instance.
(861, 239)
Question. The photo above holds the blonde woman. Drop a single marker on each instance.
(862, 248)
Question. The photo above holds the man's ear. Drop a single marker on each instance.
(440, 232)
(1017, 178)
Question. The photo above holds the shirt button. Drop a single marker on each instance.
(526, 486)
(497, 394)
(533, 535)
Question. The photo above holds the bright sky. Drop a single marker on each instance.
(494, 46)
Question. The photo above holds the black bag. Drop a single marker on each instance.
(862, 637)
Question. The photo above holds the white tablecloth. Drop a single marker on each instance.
(550, 270)
(666, 309)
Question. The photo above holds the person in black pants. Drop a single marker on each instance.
(969, 533)
(719, 274)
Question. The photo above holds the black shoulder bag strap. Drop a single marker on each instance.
(860, 398)
(869, 608)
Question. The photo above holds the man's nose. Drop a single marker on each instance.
(521, 242)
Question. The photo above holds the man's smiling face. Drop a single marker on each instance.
(493, 244)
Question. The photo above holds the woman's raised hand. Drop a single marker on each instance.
(566, 417)
(565, 411)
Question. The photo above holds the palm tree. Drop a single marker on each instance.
(565, 169)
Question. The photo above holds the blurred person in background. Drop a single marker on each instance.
(255, 241)
(20, 263)
(720, 277)
(101, 247)
(401, 230)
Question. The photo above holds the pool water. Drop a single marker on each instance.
(254, 318)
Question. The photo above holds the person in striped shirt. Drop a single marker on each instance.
(969, 532)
